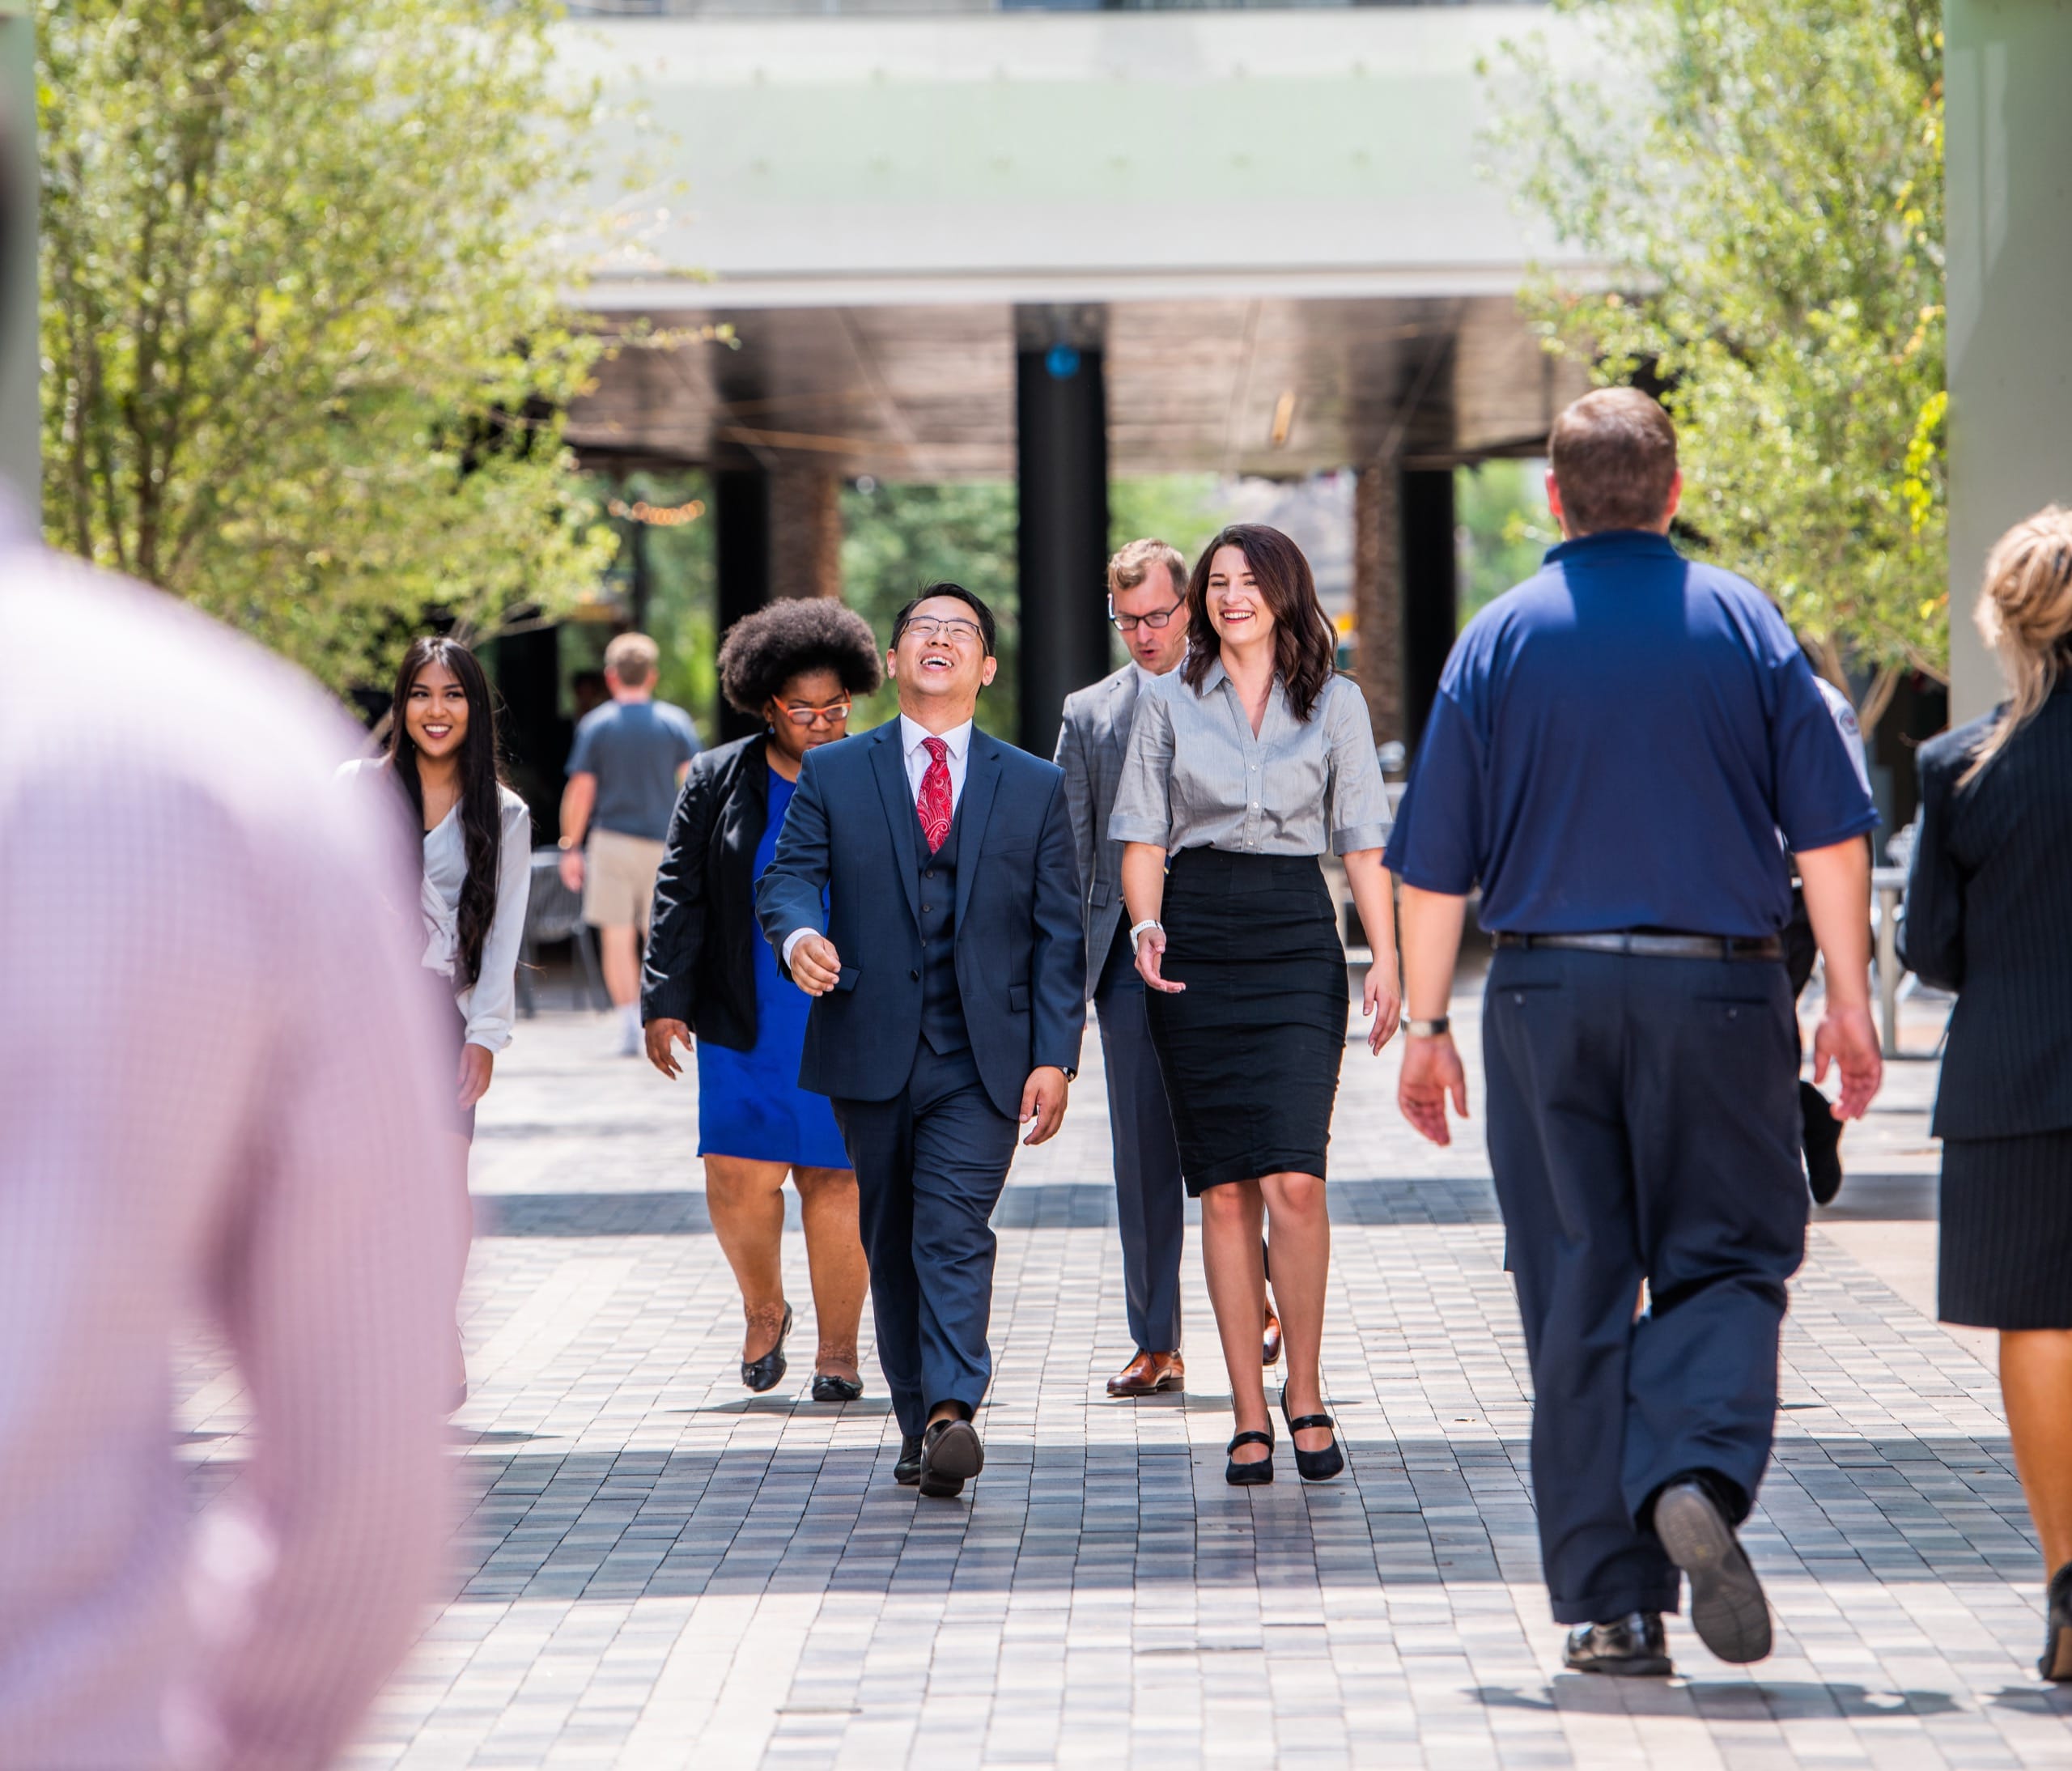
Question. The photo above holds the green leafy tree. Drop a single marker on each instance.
(898, 536)
(1764, 186)
(302, 311)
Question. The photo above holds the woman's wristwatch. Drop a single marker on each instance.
(1149, 922)
(1427, 1030)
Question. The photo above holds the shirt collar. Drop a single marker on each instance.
(1637, 543)
(912, 732)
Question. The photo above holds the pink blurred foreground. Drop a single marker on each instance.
(220, 1093)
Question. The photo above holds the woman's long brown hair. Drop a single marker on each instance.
(482, 812)
(1305, 650)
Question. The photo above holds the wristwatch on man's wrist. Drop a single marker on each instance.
(1427, 1030)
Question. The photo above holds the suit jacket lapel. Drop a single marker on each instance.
(982, 775)
(1122, 710)
(890, 768)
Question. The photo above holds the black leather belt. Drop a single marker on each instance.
(1649, 946)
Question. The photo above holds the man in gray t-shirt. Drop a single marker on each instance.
(628, 761)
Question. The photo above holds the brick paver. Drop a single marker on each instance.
(659, 1570)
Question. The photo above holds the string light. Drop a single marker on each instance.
(658, 516)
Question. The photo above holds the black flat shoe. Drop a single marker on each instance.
(768, 1372)
(827, 1388)
(1822, 1138)
(1629, 1647)
(1728, 1609)
(951, 1454)
(907, 1471)
(2056, 1662)
(1313, 1466)
(1249, 1476)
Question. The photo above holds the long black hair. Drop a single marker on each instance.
(482, 812)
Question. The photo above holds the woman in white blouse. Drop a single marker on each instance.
(477, 849)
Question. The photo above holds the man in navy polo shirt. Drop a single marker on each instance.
(1617, 747)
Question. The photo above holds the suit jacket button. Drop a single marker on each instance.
(914, 976)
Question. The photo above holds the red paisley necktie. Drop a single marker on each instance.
(934, 806)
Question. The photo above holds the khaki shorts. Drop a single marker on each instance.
(618, 880)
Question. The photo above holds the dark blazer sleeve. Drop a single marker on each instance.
(676, 927)
(1058, 956)
(1932, 938)
(789, 896)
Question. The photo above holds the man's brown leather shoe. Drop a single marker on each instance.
(1149, 1373)
(1270, 1339)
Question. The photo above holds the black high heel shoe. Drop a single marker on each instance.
(1249, 1476)
(768, 1372)
(1313, 1466)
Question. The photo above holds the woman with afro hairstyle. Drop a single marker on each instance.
(711, 976)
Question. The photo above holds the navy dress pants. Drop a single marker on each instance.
(1151, 1199)
(930, 1164)
(1643, 1124)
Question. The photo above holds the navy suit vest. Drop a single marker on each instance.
(942, 1003)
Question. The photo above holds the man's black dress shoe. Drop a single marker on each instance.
(1628, 1647)
(768, 1372)
(951, 1454)
(1728, 1610)
(1822, 1136)
(907, 1471)
(2056, 1662)
(827, 1388)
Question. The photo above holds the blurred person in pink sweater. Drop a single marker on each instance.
(222, 1096)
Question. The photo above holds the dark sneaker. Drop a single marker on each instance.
(907, 1471)
(1728, 1610)
(1629, 1647)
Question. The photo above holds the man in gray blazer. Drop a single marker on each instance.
(1147, 601)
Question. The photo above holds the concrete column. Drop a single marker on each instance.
(1062, 418)
(1377, 595)
(740, 561)
(2009, 234)
(805, 532)
(1431, 591)
(20, 420)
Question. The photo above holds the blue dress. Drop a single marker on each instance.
(749, 1103)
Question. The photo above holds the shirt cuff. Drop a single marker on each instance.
(1359, 836)
(1138, 830)
(792, 940)
(492, 1035)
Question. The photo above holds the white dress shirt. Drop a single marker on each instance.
(488, 1008)
(913, 745)
(914, 748)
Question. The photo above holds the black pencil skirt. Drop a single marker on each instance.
(1249, 1050)
(2006, 1232)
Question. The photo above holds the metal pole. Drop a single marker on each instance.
(20, 423)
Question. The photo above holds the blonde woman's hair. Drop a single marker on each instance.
(2025, 612)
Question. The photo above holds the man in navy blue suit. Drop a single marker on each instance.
(949, 987)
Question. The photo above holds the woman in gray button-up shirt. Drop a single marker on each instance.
(1243, 765)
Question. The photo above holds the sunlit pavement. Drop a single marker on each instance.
(659, 1570)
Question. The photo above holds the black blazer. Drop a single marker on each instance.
(1989, 916)
(700, 962)
(1020, 954)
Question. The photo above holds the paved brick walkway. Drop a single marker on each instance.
(659, 1570)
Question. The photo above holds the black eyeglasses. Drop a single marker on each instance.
(832, 714)
(953, 628)
(1129, 624)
